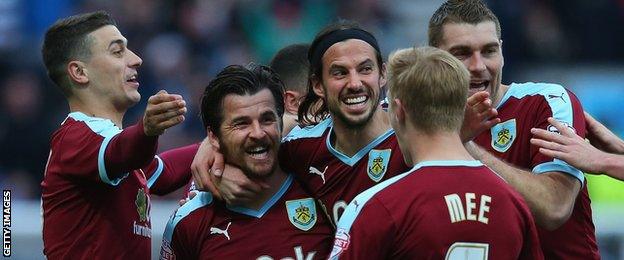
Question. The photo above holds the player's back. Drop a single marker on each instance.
(289, 225)
(443, 209)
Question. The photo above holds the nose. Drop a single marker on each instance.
(134, 60)
(257, 132)
(355, 80)
(475, 63)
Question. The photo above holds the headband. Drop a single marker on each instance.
(317, 50)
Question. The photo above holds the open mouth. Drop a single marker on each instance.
(479, 85)
(133, 79)
(351, 101)
(258, 152)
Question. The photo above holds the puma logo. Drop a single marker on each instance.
(214, 230)
(555, 96)
(319, 173)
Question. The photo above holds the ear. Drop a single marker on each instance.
(317, 86)
(382, 75)
(291, 101)
(398, 111)
(77, 71)
(214, 140)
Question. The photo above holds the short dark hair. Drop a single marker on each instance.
(238, 80)
(310, 113)
(67, 39)
(459, 11)
(292, 65)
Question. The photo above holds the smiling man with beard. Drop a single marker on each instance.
(347, 144)
(242, 110)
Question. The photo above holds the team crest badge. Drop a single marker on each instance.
(503, 135)
(378, 163)
(141, 205)
(302, 213)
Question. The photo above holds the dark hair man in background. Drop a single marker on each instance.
(555, 192)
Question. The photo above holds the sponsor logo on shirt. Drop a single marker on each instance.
(302, 213)
(378, 163)
(166, 252)
(316, 171)
(503, 135)
(341, 243)
(142, 203)
(192, 187)
(141, 230)
(215, 230)
(552, 128)
(299, 255)
(551, 96)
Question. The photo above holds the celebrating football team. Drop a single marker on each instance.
(328, 152)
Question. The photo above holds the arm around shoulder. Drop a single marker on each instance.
(175, 171)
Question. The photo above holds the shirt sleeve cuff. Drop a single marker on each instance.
(559, 166)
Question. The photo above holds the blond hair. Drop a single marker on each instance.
(432, 86)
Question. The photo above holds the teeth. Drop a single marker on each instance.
(355, 100)
(477, 85)
(259, 155)
(259, 152)
(258, 149)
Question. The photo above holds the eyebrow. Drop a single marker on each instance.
(239, 119)
(365, 62)
(492, 44)
(466, 47)
(269, 113)
(118, 41)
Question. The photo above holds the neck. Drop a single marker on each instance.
(499, 95)
(274, 183)
(97, 109)
(441, 146)
(349, 140)
(289, 121)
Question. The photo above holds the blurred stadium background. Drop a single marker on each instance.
(576, 43)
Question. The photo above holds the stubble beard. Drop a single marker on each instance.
(248, 171)
(335, 112)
